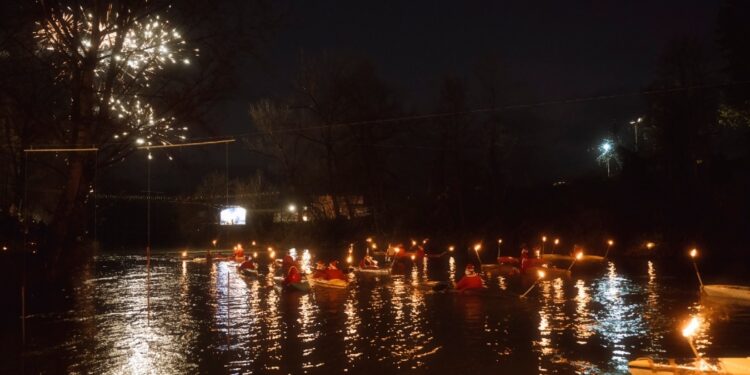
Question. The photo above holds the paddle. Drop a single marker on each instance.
(541, 276)
(693, 254)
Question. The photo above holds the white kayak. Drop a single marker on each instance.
(724, 366)
(727, 291)
(373, 271)
(333, 283)
(557, 258)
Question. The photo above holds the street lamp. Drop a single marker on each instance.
(635, 124)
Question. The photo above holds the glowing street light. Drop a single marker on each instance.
(606, 154)
(635, 124)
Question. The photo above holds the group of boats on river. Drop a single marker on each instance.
(292, 276)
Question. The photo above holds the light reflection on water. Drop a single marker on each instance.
(209, 318)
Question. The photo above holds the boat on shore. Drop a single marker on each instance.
(728, 366)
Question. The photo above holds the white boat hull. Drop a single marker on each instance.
(373, 271)
(724, 366)
(727, 291)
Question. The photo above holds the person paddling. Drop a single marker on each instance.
(368, 263)
(320, 270)
(471, 279)
(334, 272)
(292, 277)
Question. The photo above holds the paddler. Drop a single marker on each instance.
(287, 262)
(334, 272)
(293, 276)
(368, 262)
(471, 279)
(320, 270)
(525, 261)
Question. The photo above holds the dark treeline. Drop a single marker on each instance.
(457, 169)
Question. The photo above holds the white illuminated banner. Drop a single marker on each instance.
(234, 215)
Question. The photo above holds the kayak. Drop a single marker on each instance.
(550, 272)
(302, 286)
(248, 272)
(333, 283)
(557, 258)
(727, 291)
(373, 271)
(728, 366)
(508, 260)
(501, 269)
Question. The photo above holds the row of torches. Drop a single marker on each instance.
(688, 332)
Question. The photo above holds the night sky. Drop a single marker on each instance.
(552, 50)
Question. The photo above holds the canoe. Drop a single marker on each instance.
(727, 291)
(333, 283)
(373, 271)
(728, 366)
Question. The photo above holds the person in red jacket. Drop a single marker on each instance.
(320, 270)
(292, 277)
(471, 280)
(334, 272)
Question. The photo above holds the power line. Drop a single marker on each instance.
(428, 116)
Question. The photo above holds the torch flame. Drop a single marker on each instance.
(451, 248)
(541, 274)
(213, 242)
(413, 257)
(184, 254)
(478, 247)
(610, 242)
(579, 256)
(349, 259)
(691, 328)
(693, 253)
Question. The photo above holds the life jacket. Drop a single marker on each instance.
(293, 277)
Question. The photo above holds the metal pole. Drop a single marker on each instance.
(148, 238)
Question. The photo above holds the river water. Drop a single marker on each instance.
(188, 317)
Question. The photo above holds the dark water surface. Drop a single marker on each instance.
(206, 318)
